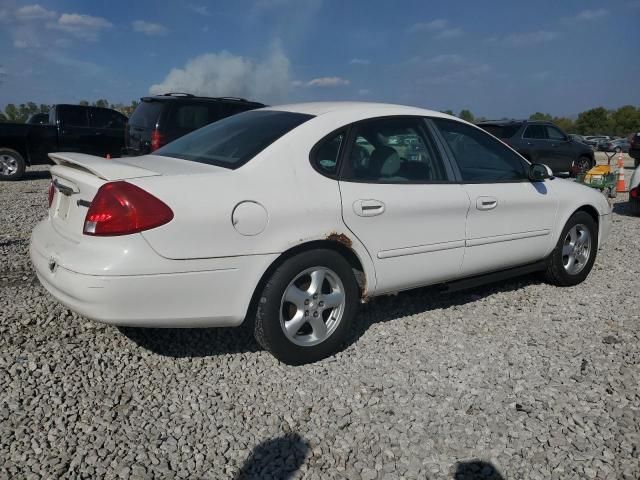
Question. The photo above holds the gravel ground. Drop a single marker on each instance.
(516, 380)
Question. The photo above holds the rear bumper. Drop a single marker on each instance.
(217, 296)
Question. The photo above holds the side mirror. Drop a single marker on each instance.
(539, 172)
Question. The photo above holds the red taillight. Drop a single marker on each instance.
(52, 192)
(157, 140)
(121, 208)
(633, 193)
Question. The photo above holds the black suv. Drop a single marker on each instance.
(158, 120)
(543, 142)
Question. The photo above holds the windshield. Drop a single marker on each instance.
(235, 140)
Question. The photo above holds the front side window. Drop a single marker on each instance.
(73, 116)
(535, 132)
(233, 141)
(480, 157)
(554, 134)
(103, 118)
(393, 150)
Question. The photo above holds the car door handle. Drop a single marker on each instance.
(368, 208)
(486, 203)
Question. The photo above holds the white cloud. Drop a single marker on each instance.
(3, 14)
(439, 28)
(82, 26)
(225, 74)
(20, 43)
(448, 68)
(526, 39)
(199, 9)
(148, 28)
(432, 26)
(359, 61)
(364, 91)
(34, 12)
(592, 14)
(328, 82)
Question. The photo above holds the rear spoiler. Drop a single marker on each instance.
(104, 168)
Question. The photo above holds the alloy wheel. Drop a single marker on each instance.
(576, 249)
(8, 165)
(312, 306)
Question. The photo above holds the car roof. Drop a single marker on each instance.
(175, 96)
(363, 108)
(514, 122)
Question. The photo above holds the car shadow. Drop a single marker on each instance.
(207, 342)
(35, 175)
(476, 470)
(623, 209)
(277, 458)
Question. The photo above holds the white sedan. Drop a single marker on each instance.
(289, 216)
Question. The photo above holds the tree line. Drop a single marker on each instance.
(596, 121)
(20, 113)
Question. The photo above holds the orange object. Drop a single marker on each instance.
(620, 187)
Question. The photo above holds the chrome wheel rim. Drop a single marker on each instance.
(8, 164)
(576, 249)
(583, 165)
(312, 306)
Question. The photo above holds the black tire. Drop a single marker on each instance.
(618, 150)
(582, 165)
(556, 273)
(268, 330)
(634, 206)
(20, 164)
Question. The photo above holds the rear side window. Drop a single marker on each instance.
(554, 134)
(480, 157)
(325, 155)
(535, 132)
(501, 131)
(99, 118)
(233, 141)
(146, 114)
(73, 116)
(393, 150)
(191, 117)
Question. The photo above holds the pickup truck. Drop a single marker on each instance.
(71, 128)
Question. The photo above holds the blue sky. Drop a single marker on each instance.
(497, 58)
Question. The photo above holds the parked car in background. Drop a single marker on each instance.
(204, 232)
(634, 148)
(594, 140)
(634, 192)
(543, 142)
(577, 138)
(158, 120)
(618, 145)
(70, 128)
(38, 119)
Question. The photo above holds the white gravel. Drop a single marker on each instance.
(516, 380)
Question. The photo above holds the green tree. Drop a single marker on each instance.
(84, 103)
(545, 117)
(101, 103)
(12, 113)
(466, 115)
(625, 120)
(566, 124)
(448, 112)
(595, 121)
(3, 117)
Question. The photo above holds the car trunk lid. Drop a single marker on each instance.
(76, 177)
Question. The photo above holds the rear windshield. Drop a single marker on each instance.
(501, 131)
(235, 140)
(146, 114)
